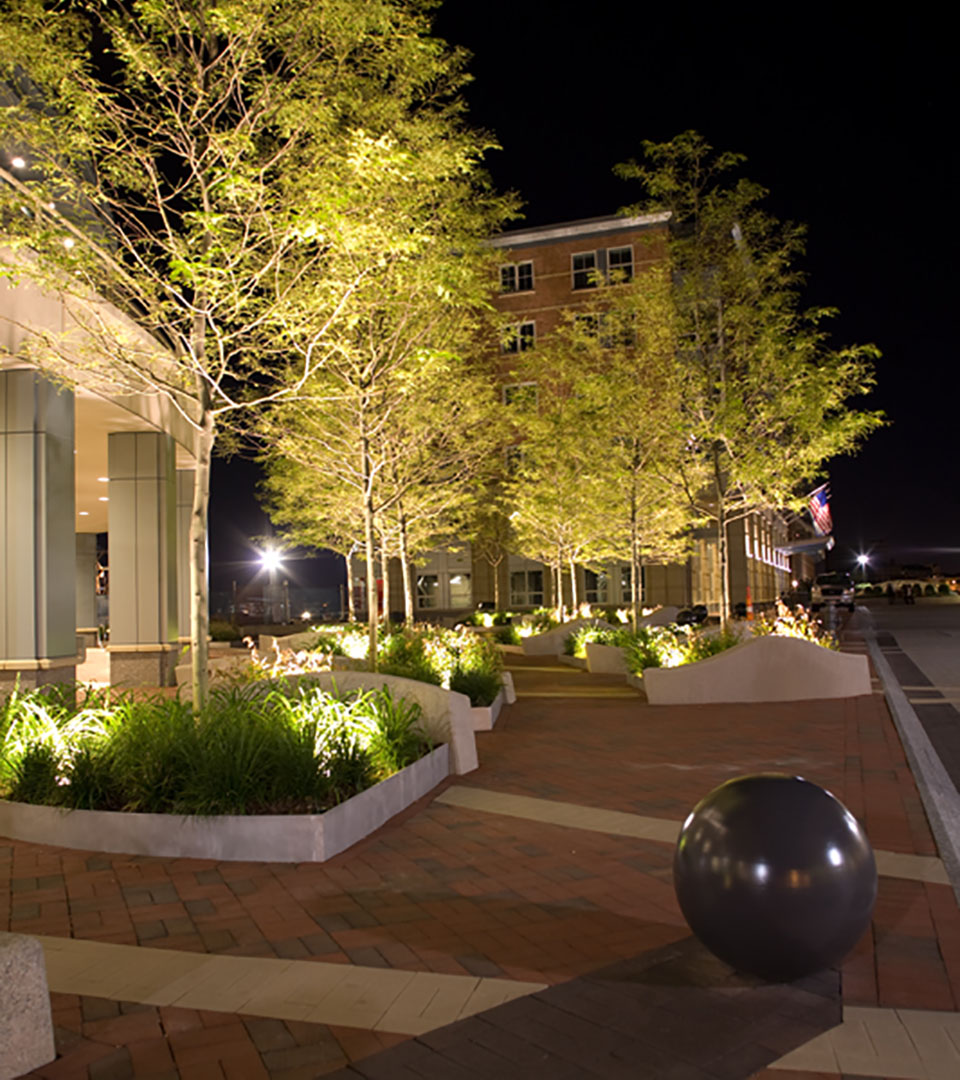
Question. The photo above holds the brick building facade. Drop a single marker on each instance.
(544, 273)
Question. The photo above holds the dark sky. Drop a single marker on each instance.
(848, 119)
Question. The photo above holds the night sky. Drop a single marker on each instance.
(848, 119)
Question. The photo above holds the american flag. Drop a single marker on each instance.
(820, 510)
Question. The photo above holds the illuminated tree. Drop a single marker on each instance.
(765, 399)
(224, 173)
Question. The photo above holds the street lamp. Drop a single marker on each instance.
(863, 561)
(271, 560)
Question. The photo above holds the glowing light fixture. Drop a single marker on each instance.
(103, 479)
(18, 163)
(84, 513)
(271, 559)
(103, 498)
(863, 560)
(304, 615)
(68, 242)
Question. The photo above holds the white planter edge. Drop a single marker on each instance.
(290, 838)
(485, 716)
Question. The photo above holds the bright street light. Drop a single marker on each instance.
(271, 560)
(863, 560)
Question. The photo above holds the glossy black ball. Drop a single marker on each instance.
(775, 876)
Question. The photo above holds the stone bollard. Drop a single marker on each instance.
(26, 1029)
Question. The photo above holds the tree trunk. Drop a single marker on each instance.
(385, 578)
(405, 570)
(496, 584)
(724, 556)
(573, 587)
(368, 539)
(351, 603)
(199, 584)
(555, 570)
(635, 577)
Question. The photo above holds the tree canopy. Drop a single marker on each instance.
(225, 174)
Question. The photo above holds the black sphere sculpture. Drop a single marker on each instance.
(775, 876)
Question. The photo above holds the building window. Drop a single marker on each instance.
(526, 588)
(521, 395)
(595, 587)
(516, 277)
(584, 270)
(520, 337)
(461, 595)
(620, 264)
(428, 590)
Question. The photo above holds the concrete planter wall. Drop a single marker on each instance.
(225, 838)
(485, 716)
(606, 659)
(661, 617)
(551, 642)
(761, 669)
(573, 661)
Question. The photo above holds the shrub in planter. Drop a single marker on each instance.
(943, 589)
(507, 635)
(221, 630)
(480, 686)
(795, 622)
(244, 752)
(576, 642)
(930, 590)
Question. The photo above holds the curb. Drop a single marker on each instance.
(940, 797)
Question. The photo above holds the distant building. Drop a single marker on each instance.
(544, 273)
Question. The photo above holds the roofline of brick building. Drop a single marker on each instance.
(584, 227)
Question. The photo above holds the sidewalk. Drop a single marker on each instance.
(550, 865)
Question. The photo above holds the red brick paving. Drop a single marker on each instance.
(451, 890)
(109, 1040)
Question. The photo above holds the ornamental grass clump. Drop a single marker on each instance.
(795, 622)
(454, 659)
(299, 750)
(576, 642)
(457, 659)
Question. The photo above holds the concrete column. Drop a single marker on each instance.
(37, 589)
(86, 585)
(143, 558)
(184, 510)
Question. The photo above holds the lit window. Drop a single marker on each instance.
(620, 264)
(461, 595)
(584, 270)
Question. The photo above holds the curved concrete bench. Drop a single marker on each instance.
(552, 642)
(227, 837)
(606, 659)
(762, 669)
(269, 644)
(661, 617)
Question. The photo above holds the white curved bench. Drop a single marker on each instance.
(761, 669)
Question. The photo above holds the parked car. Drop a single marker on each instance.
(835, 588)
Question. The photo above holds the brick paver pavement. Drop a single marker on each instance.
(451, 890)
